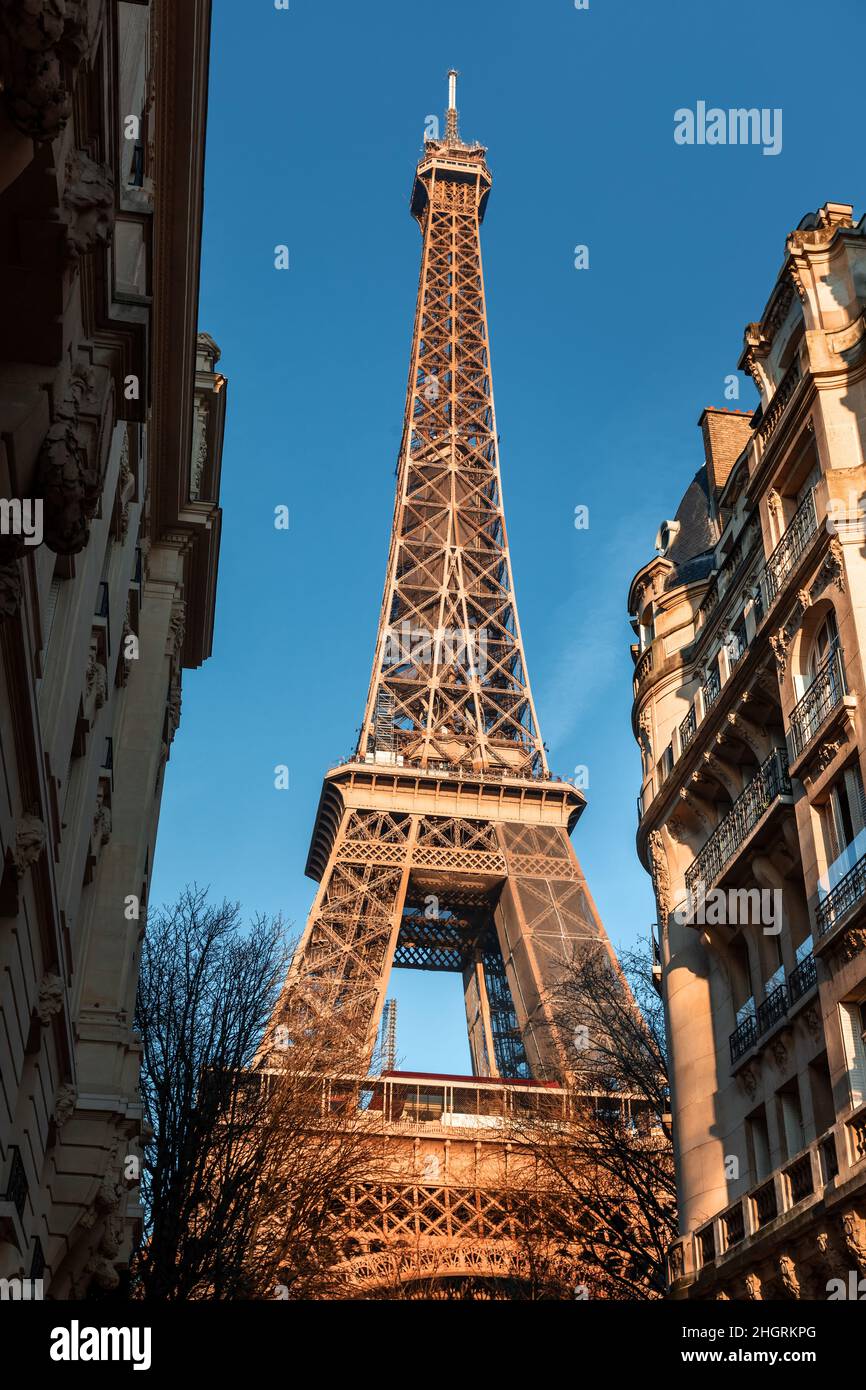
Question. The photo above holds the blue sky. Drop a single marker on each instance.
(315, 125)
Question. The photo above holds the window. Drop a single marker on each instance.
(810, 482)
(823, 644)
(852, 1017)
(843, 816)
(822, 1094)
(758, 1142)
(791, 1119)
(825, 639)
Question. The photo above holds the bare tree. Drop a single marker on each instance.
(605, 1172)
(239, 1151)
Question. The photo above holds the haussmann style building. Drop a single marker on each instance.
(750, 712)
(111, 425)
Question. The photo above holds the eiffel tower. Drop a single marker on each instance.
(443, 842)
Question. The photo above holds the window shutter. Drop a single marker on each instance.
(856, 797)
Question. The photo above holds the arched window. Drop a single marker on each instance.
(820, 684)
(824, 643)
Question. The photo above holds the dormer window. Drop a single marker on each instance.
(667, 534)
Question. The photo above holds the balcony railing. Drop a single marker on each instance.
(841, 900)
(688, 727)
(799, 1177)
(794, 542)
(824, 694)
(734, 1224)
(643, 667)
(770, 781)
(712, 687)
(737, 644)
(774, 1007)
(764, 1204)
(802, 978)
(779, 1194)
(856, 1127)
(776, 408)
(744, 1036)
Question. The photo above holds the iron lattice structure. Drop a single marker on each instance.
(443, 843)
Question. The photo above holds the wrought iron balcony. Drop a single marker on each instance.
(824, 694)
(802, 978)
(770, 781)
(774, 1007)
(712, 687)
(842, 899)
(737, 644)
(688, 727)
(804, 525)
(744, 1036)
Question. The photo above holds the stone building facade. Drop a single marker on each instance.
(111, 425)
(750, 713)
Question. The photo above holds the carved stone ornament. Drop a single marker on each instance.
(824, 756)
(645, 733)
(676, 1263)
(96, 679)
(47, 40)
(660, 875)
(10, 589)
(174, 703)
(102, 825)
(748, 1079)
(854, 1233)
(176, 628)
(88, 205)
(849, 945)
(788, 1276)
(65, 477)
(812, 1020)
(779, 1049)
(813, 238)
(779, 644)
(64, 1105)
(833, 567)
(198, 462)
(30, 837)
(50, 998)
(753, 1287)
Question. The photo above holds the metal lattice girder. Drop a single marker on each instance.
(449, 681)
(444, 943)
(437, 863)
(444, 843)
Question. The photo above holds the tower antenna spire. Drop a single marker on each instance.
(451, 134)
